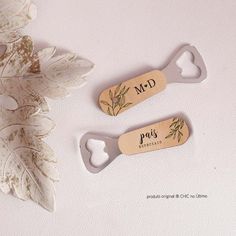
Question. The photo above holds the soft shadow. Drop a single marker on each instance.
(39, 45)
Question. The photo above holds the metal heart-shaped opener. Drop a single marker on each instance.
(168, 133)
(127, 94)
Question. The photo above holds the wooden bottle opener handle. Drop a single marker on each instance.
(119, 98)
(168, 133)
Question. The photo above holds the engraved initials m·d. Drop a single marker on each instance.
(142, 87)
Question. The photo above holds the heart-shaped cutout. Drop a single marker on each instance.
(98, 157)
(187, 66)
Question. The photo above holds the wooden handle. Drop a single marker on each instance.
(121, 97)
(168, 133)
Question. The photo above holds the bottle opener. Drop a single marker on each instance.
(119, 98)
(165, 134)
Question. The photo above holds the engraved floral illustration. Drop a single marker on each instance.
(175, 129)
(117, 100)
(27, 164)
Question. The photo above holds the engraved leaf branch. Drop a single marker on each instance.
(175, 129)
(117, 100)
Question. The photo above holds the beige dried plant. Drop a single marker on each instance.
(27, 164)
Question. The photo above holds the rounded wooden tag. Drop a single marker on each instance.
(121, 97)
(168, 133)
